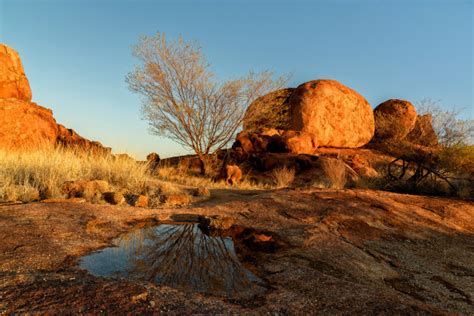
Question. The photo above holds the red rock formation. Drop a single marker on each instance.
(69, 138)
(25, 125)
(13, 82)
(394, 119)
(333, 114)
(423, 132)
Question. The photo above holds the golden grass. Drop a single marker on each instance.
(175, 175)
(283, 177)
(27, 176)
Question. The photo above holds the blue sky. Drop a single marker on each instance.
(77, 53)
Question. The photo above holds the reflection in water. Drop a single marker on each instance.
(181, 256)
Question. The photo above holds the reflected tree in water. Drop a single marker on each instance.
(182, 256)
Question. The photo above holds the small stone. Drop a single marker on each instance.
(141, 201)
(140, 297)
(202, 191)
(217, 222)
(176, 199)
(115, 198)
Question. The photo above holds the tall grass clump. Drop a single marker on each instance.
(283, 177)
(40, 174)
(333, 174)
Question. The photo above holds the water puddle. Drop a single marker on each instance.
(181, 256)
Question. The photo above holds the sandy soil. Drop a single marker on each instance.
(338, 252)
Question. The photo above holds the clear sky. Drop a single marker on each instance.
(77, 53)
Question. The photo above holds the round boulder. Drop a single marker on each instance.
(268, 111)
(333, 114)
(394, 119)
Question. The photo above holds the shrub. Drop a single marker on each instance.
(283, 177)
(332, 174)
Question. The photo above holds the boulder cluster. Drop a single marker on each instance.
(26, 125)
(397, 120)
(325, 113)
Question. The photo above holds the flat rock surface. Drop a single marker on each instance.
(340, 251)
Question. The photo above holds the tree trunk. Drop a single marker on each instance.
(203, 164)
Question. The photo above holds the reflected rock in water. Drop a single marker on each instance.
(180, 256)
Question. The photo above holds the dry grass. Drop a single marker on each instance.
(333, 174)
(283, 177)
(176, 175)
(27, 176)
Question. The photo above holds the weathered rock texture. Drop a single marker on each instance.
(273, 141)
(394, 119)
(24, 125)
(69, 138)
(269, 111)
(423, 132)
(333, 114)
(13, 82)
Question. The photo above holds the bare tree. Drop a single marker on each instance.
(182, 99)
(450, 129)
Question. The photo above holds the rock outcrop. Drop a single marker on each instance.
(396, 122)
(332, 114)
(394, 119)
(423, 132)
(25, 125)
(13, 81)
(69, 138)
(269, 111)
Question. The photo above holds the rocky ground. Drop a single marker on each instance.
(332, 251)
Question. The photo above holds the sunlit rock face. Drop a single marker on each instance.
(13, 81)
(333, 114)
(394, 119)
(318, 113)
(180, 256)
(25, 125)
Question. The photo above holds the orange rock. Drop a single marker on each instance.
(141, 201)
(26, 125)
(243, 141)
(300, 143)
(176, 199)
(153, 160)
(334, 114)
(262, 237)
(233, 174)
(423, 132)
(394, 119)
(13, 82)
(69, 138)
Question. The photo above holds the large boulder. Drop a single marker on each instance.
(423, 132)
(26, 125)
(394, 119)
(269, 111)
(13, 81)
(332, 114)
